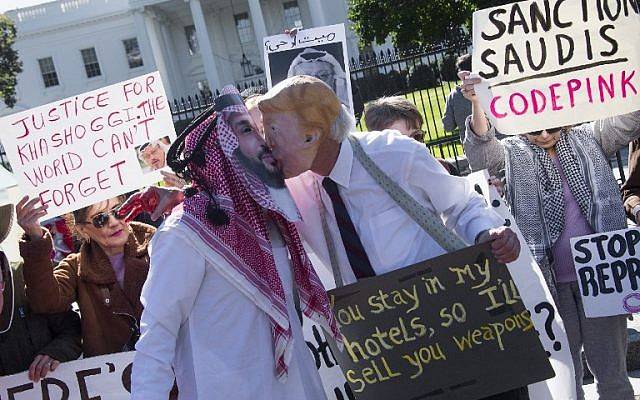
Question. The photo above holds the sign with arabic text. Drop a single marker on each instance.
(319, 52)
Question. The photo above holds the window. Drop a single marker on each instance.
(48, 71)
(91, 64)
(192, 39)
(244, 28)
(292, 17)
(132, 50)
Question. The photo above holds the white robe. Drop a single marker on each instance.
(217, 340)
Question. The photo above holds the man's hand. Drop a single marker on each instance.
(172, 180)
(505, 244)
(155, 200)
(27, 215)
(41, 366)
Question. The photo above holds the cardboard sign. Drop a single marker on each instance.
(553, 63)
(320, 52)
(106, 377)
(536, 296)
(453, 326)
(608, 269)
(333, 380)
(88, 148)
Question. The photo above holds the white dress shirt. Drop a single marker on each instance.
(389, 236)
(218, 342)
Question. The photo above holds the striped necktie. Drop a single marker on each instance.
(355, 251)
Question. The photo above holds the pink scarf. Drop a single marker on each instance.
(244, 242)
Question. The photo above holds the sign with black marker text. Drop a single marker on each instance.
(608, 270)
(106, 377)
(554, 63)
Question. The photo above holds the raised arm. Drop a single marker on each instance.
(481, 147)
(51, 289)
(614, 133)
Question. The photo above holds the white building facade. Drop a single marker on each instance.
(71, 46)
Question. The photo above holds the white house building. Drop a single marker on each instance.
(72, 46)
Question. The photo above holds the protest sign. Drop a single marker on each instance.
(536, 296)
(404, 332)
(320, 52)
(84, 149)
(106, 377)
(608, 270)
(553, 63)
(333, 380)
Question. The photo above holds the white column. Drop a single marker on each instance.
(158, 48)
(143, 40)
(206, 49)
(316, 10)
(171, 57)
(259, 27)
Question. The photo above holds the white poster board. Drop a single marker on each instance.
(608, 269)
(537, 298)
(320, 52)
(553, 63)
(91, 147)
(105, 377)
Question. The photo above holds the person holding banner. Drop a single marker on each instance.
(559, 185)
(28, 341)
(229, 274)
(105, 277)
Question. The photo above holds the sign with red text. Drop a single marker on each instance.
(106, 377)
(94, 146)
(553, 63)
(608, 270)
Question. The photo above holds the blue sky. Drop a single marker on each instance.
(6, 5)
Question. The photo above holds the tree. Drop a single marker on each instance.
(10, 65)
(413, 23)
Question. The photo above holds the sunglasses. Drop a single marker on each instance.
(549, 131)
(102, 219)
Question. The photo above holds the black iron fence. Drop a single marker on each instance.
(424, 76)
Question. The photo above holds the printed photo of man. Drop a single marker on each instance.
(152, 155)
(324, 66)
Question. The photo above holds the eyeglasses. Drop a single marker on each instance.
(102, 219)
(549, 131)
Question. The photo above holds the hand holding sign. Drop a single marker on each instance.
(28, 213)
(505, 244)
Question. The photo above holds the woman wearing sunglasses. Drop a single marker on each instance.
(104, 277)
(559, 185)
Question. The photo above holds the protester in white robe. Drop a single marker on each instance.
(227, 269)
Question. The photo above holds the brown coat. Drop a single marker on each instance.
(631, 188)
(110, 315)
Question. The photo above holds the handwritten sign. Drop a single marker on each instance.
(536, 296)
(552, 63)
(405, 331)
(84, 149)
(106, 377)
(320, 52)
(608, 269)
(333, 380)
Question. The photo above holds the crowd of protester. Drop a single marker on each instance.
(212, 300)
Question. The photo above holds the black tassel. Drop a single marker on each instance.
(190, 191)
(216, 215)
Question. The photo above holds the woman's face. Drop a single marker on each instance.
(545, 140)
(113, 235)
